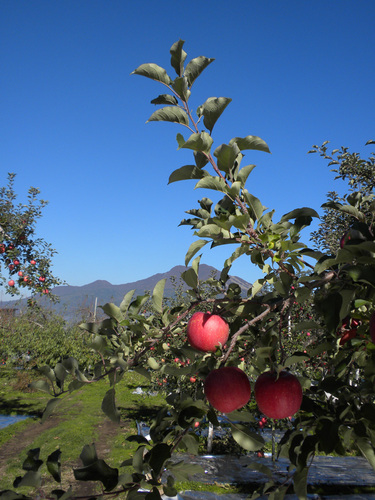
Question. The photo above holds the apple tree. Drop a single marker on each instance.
(25, 258)
(331, 409)
(359, 173)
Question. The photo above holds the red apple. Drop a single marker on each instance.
(26, 279)
(42, 279)
(11, 283)
(227, 388)
(193, 379)
(278, 396)
(372, 327)
(32, 262)
(20, 273)
(206, 331)
(16, 262)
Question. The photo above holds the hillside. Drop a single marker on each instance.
(77, 301)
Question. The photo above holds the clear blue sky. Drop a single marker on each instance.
(73, 119)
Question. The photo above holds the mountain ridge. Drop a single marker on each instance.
(75, 299)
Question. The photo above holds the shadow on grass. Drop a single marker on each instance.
(141, 413)
(11, 406)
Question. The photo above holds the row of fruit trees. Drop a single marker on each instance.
(298, 349)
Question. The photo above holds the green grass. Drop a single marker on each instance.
(80, 416)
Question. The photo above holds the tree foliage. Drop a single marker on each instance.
(268, 327)
(340, 212)
(25, 258)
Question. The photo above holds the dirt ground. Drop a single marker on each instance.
(107, 431)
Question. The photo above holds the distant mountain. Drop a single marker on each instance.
(76, 301)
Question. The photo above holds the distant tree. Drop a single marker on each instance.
(341, 212)
(25, 259)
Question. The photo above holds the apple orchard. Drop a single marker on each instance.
(296, 352)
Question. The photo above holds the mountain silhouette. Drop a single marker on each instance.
(77, 301)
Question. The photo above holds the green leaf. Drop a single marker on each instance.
(54, 465)
(254, 203)
(250, 142)
(212, 110)
(99, 344)
(178, 56)
(244, 173)
(195, 67)
(300, 212)
(32, 462)
(170, 114)
(180, 86)
(113, 311)
(98, 471)
(48, 372)
(187, 172)
(157, 456)
(210, 182)
(191, 275)
(88, 454)
(300, 483)
(60, 371)
(165, 99)
(226, 156)
(193, 249)
(124, 306)
(200, 159)
(52, 403)
(41, 385)
(31, 478)
(142, 371)
(199, 142)
(71, 365)
(366, 449)
(109, 406)
(153, 71)
(157, 295)
(249, 440)
(346, 209)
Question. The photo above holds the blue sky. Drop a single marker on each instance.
(73, 119)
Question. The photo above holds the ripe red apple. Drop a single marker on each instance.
(11, 283)
(206, 331)
(278, 396)
(227, 388)
(42, 279)
(372, 327)
(32, 262)
(16, 262)
(193, 379)
(20, 274)
(26, 279)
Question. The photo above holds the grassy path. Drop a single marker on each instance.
(78, 420)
